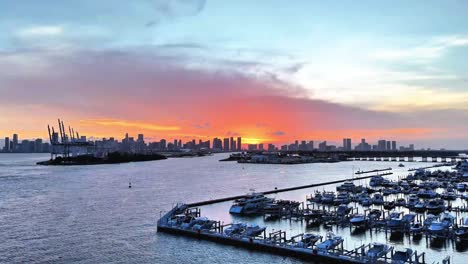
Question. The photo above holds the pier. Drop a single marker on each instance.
(232, 198)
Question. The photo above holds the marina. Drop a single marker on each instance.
(390, 213)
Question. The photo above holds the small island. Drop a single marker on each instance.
(111, 158)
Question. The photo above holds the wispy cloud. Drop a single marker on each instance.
(41, 31)
(129, 124)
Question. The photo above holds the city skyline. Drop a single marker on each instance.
(194, 69)
(224, 144)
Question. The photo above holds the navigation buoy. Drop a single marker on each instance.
(129, 185)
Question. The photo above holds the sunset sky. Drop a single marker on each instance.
(269, 71)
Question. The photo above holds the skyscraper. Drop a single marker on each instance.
(7, 145)
(394, 147)
(239, 144)
(381, 145)
(226, 144)
(15, 142)
(232, 144)
(260, 146)
(389, 145)
(346, 144)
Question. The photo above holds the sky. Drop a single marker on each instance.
(269, 71)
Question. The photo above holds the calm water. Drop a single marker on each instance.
(88, 214)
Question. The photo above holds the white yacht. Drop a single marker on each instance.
(251, 204)
(331, 242)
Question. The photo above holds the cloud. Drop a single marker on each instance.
(41, 31)
(432, 49)
(129, 124)
(176, 8)
(279, 133)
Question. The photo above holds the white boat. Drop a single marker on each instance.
(441, 226)
(376, 181)
(358, 220)
(251, 204)
(461, 187)
(427, 193)
(435, 206)
(308, 240)
(377, 199)
(328, 197)
(377, 250)
(253, 230)
(402, 256)
(235, 229)
(448, 195)
(412, 201)
(331, 242)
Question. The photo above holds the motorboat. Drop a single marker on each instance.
(395, 221)
(343, 210)
(316, 198)
(349, 186)
(376, 181)
(253, 230)
(180, 219)
(204, 224)
(420, 207)
(377, 199)
(462, 231)
(308, 240)
(235, 229)
(328, 197)
(197, 223)
(358, 220)
(441, 226)
(374, 213)
(367, 202)
(402, 256)
(401, 165)
(400, 202)
(427, 193)
(461, 187)
(377, 250)
(429, 219)
(412, 201)
(341, 198)
(331, 242)
(435, 206)
(250, 204)
(449, 195)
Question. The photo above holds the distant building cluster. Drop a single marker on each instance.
(138, 145)
(229, 144)
(13, 145)
(382, 145)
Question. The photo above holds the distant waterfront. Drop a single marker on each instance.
(88, 214)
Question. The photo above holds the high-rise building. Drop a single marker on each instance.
(226, 144)
(394, 146)
(310, 145)
(239, 144)
(15, 143)
(382, 145)
(260, 147)
(323, 146)
(389, 145)
(271, 147)
(7, 145)
(252, 147)
(38, 145)
(346, 144)
(162, 144)
(232, 144)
